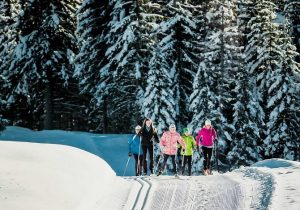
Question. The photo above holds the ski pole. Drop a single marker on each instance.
(182, 163)
(126, 165)
(155, 169)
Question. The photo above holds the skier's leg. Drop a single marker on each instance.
(140, 168)
(174, 164)
(184, 163)
(136, 164)
(209, 154)
(151, 158)
(144, 148)
(189, 160)
(179, 157)
(204, 150)
(164, 163)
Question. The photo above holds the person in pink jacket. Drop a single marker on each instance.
(168, 143)
(205, 139)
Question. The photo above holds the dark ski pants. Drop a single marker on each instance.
(187, 160)
(179, 156)
(146, 149)
(207, 153)
(165, 162)
(138, 164)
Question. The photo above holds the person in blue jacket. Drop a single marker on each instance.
(135, 149)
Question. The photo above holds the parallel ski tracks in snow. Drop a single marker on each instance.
(143, 193)
(213, 192)
(217, 192)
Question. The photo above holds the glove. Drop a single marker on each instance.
(129, 154)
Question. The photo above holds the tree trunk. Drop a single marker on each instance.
(48, 108)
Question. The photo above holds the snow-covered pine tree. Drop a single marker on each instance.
(177, 37)
(92, 20)
(126, 60)
(3, 122)
(159, 103)
(245, 12)
(41, 68)
(176, 46)
(8, 41)
(212, 94)
(245, 149)
(265, 63)
(292, 12)
(203, 98)
(283, 85)
(8, 12)
(259, 25)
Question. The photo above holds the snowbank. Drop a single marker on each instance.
(47, 177)
(109, 147)
(286, 185)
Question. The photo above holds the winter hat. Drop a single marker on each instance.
(207, 122)
(185, 130)
(172, 126)
(138, 127)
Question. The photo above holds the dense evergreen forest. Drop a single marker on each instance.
(104, 65)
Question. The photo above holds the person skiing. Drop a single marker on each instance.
(134, 146)
(205, 138)
(168, 143)
(148, 134)
(190, 145)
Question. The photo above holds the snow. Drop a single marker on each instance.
(286, 182)
(111, 148)
(43, 176)
(38, 176)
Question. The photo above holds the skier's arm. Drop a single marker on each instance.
(140, 133)
(181, 141)
(198, 138)
(194, 143)
(155, 136)
(162, 140)
(214, 135)
(162, 143)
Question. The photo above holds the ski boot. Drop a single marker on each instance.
(205, 172)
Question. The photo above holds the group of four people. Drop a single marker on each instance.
(142, 143)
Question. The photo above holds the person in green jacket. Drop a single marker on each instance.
(190, 145)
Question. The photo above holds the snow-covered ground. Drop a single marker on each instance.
(110, 147)
(46, 177)
(35, 176)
